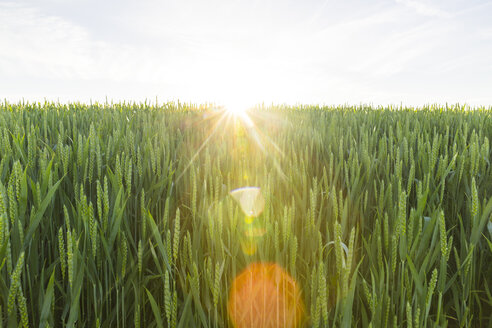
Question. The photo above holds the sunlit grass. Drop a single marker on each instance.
(135, 215)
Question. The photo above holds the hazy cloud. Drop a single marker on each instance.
(247, 52)
(425, 8)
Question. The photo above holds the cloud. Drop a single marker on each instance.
(242, 52)
(485, 33)
(425, 8)
(38, 45)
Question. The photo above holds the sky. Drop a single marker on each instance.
(240, 53)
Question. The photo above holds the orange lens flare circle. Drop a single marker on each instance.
(265, 296)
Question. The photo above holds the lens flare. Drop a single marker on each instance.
(250, 199)
(265, 296)
(248, 245)
(254, 232)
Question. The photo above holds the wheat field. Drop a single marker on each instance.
(179, 215)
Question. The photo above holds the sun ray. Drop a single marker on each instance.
(260, 139)
(211, 134)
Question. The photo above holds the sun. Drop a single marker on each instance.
(236, 110)
(235, 104)
(239, 112)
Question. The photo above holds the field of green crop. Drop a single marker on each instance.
(121, 215)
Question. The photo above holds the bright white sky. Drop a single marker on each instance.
(239, 53)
